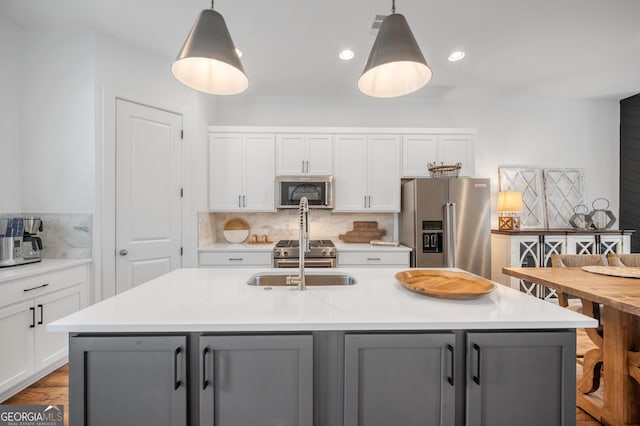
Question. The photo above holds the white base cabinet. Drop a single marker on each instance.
(372, 258)
(26, 306)
(533, 248)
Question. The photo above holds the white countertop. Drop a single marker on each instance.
(218, 299)
(238, 247)
(44, 266)
(340, 246)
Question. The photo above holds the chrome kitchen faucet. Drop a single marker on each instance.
(303, 245)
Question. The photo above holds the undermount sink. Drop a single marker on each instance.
(276, 280)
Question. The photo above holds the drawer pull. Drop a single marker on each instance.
(35, 288)
(236, 259)
(373, 259)
(41, 315)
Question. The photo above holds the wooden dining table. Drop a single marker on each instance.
(609, 388)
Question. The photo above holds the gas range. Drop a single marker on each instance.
(288, 249)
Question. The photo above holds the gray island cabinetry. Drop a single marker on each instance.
(201, 347)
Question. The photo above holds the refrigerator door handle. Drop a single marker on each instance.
(453, 234)
(450, 235)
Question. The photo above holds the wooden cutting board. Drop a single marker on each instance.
(445, 284)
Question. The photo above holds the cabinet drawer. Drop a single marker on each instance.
(36, 285)
(373, 258)
(235, 258)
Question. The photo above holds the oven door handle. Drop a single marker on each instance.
(285, 263)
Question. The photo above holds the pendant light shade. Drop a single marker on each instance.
(208, 61)
(396, 66)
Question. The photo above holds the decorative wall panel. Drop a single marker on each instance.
(564, 189)
(529, 182)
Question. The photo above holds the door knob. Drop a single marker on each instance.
(123, 252)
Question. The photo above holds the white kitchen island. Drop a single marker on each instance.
(200, 346)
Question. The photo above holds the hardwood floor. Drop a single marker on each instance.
(53, 389)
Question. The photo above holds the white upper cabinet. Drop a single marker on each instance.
(241, 172)
(367, 173)
(420, 149)
(300, 154)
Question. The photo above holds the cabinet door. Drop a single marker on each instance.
(291, 155)
(259, 173)
(581, 244)
(350, 173)
(49, 346)
(17, 323)
(128, 381)
(225, 172)
(319, 155)
(521, 379)
(610, 244)
(256, 380)
(384, 173)
(454, 149)
(399, 379)
(417, 152)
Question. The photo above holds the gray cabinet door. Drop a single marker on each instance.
(524, 378)
(399, 379)
(256, 380)
(128, 381)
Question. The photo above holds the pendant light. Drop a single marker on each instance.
(208, 60)
(396, 66)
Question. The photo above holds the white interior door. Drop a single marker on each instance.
(148, 193)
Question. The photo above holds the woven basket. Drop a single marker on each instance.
(443, 170)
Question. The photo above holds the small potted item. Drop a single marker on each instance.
(601, 218)
(580, 218)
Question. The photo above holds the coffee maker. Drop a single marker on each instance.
(31, 243)
(11, 243)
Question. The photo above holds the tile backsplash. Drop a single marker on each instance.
(64, 236)
(283, 224)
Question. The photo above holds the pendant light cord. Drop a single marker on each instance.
(211, 4)
(393, 6)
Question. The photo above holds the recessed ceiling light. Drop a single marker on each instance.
(239, 52)
(456, 56)
(347, 54)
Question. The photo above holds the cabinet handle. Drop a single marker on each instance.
(33, 317)
(244, 201)
(41, 315)
(365, 201)
(451, 365)
(205, 382)
(239, 200)
(176, 382)
(373, 259)
(307, 166)
(302, 166)
(476, 377)
(369, 201)
(235, 259)
(35, 288)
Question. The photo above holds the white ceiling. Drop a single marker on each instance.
(568, 48)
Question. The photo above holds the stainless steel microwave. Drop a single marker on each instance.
(317, 189)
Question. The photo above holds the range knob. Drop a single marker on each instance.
(324, 252)
(332, 253)
(285, 253)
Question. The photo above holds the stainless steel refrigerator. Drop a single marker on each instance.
(447, 222)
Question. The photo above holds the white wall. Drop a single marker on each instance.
(10, 82)
(57, 122)
(512, 130)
